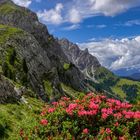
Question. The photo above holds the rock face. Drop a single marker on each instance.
(30, 56)
(8, 94)
(81, 58)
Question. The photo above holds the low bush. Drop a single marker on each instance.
(89, 117)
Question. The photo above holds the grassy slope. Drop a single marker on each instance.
(16, 116)
(13, 117)
(10, 8)
(6, 32)
(114, 84)
(71, 92)
(118, 87)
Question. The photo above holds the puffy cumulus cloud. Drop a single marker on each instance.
(74, 16)
(53, 15)
(112, 7)
(116, 53)
(24, 3)
(75, 11)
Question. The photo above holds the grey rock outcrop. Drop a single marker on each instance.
(8, 94)
(86, 62)
(41, 55)
(81, 58)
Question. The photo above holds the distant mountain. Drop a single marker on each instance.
(86, 62)
(81, 58)
(98, 77)
(126, 72)
(132, 74)
(135, 76)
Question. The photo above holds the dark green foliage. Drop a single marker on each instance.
(12, 57)
(114, 85)
(131, 91)
(25, 68)
(3, 129)
(106, 77)
(7, 71)
(14, 68)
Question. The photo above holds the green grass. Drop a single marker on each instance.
(13, 117)
(7, 32)
(10, 8)
(7, 8)
(66, 66)
(117, 89)
(71, 92)
(104, 75)
(48, 88)
(12, 65)
(115, 85)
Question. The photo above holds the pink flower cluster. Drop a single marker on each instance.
(51, 110)
(90, 105)
(44, 122)
(91, 116)
(106, 112)
(70, 108)
(85, 113)
(131, 114)
(85, 131)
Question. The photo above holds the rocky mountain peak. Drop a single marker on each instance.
(86, 51)
(81, 58)
(41, 59)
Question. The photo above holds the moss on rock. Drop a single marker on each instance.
(13, 66)
(10, 8)
(66, 66)
(7, 32)
(48, 88)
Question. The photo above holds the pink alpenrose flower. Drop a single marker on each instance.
(43, 122)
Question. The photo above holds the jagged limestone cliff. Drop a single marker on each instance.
(30, 56)
(98, 77)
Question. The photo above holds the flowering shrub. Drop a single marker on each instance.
(91, 117)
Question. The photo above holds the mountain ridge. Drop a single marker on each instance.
(39, 51)
(134, 76)
(33, 58)
(98, 77)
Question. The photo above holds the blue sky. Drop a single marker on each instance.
(98, 27)
(93, 23)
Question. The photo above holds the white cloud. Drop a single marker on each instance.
(132, 22)
(53, 15)
(99, 26)
(72, 27)
(75, 11)
(24, 3)
(116, 53)
(74, 16)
